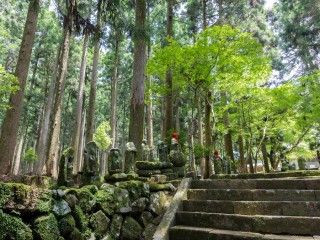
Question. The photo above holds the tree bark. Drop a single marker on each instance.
(208, 134)
(249, 156)
(169, 122)
(137, 87)
(265, 156)
(149, 110)
(94, 77)
(10, 126)
(44, 130)
(79, 108)
(243, 165)
(54, 147)
(227, 137)
(114, 93)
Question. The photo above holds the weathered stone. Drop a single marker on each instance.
(80, 218)
(145, 150)
(90, 165)
(144, 165)
(67, 225)
(66, 168)
(61, 208)
(130, 157)
(116, 225)
(72, 200)
(163, 152)
(148, 173)
(114, 161)
(155, 187)
(159, 202)
(171, 176)
(76, 235)
(140, 204)
(105, 201)
(158, 178)
(58, 193)
(136, 189)
(146, 218)
(149, 231)
(176, 156)
(180, 171)
(166, 170)
(46, 228)
(117, 177)
(13, 228)
(23, 198)
(100, 223)
(85, 197)
(112, 199)
(92, 188)
(131, 229)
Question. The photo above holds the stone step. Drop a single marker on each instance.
(194, 233)
(257, 223)
(277, 183)
(254, 194)
(254, 207)
(289, 174)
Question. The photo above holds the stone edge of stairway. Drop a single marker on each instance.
(168, 220)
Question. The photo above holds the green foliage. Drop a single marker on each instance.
(30, 155)
(221, 58)
(101, 136)
(8, 85)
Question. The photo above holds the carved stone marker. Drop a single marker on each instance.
(114, 161)
(130, 157)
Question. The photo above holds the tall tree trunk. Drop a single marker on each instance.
(44, 130)
(114, 93)
(169, 123)
(94, 77)
(208, 109)
(243, 165)
(82, 140)
(137, 87)
(208, 134)
(200, 134)
(79, 108)
(249, 155)
(265, 156)
(149, 110)
(17, 159)
(10, 126)
(54, 147)
(227, 137)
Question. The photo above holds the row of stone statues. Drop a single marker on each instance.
(115, 163)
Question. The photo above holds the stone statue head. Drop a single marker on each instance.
(130, 147)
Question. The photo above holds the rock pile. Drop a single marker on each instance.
(126, 209)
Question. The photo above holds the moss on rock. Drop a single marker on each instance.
(136, 189)
(146, 165)
(131, 229)
(100, 223)
(86, 200)
(24, 198)
(67, 225)
(80, 218)
(13, 228)
(76, 235)
(46, 228)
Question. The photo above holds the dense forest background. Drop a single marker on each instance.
(124, 70)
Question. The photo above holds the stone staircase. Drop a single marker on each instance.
(243, 209)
